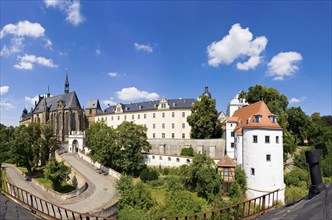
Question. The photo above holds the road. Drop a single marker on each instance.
(100, 194)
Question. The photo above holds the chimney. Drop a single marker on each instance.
(317, 185)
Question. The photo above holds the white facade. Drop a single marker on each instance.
(76, 141)
(165, 120)
(262, 161)
(235, 104)
(230, 140)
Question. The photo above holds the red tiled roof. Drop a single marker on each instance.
(246, 118)
(226, 162)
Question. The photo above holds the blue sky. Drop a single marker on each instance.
(128, 51)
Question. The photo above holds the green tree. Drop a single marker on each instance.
(137, 196)
(275, 101)
(203, 178)
(6, 136)
(25, 146)
(188, 151)
(132, 142)
(298, 124)
(148, 174)
(240, 178)
(56, 172)
(296, 176)
(204, 119)
(101, 141)
(49, 143)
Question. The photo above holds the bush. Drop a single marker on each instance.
(235, 190)
(296, 176)
(187, 152)
(56, 172)
(148, 174)
(294, 193)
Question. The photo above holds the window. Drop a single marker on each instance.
(133, 117)
(153, 157)
(160, 158)
(188, 160)
(177, 159)
(112, 118)
(183, 114)
(232, 134)
(225, 171)
(169, 159)
(183, 125)
(173, 125)
(154, 115)
(267, 139)
(144, 116)
(163, 125)
(118, 117)
(277, 139)
(163, 105)
(252, 171)
(90, 111)
(183, 135)
(255, 139)
(105, 118)
(154, 135)
(138, 116)
(163, 135)
(257, 118)
(173, 135)
(173, 114)
(125, 117)
(232, 145)
(154, 126)
(268, 157)
(273, 119)
(163, 114)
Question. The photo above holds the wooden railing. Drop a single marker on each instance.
(245, 210)
(41, 207)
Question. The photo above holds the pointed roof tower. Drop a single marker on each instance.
(66, 82)
(48, 91)
(206, 92)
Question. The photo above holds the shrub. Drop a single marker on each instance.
(294, 193)
(188, 151)
(56, 172)
(296, 176)
(148, 174)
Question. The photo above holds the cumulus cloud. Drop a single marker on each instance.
(48, 44)
(284, 64)
(4, 90)
(132, 93)
(142, 47)
(108, 102)
(239, 43)
(297, 100)
(26, 62)
(16, 46)
(72, 9)
(23, 29)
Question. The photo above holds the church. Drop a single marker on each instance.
(63, 111)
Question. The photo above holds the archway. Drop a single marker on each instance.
(75, 146)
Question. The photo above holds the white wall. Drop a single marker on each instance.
(149, 120)
(268, 174)
(164, 160)
(230, 126)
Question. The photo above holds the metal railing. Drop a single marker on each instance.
(245, 210)
(42, 207)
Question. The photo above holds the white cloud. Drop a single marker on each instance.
(71, 8)
(26, 62)
(108, 102)
(296, 100)
(142, 47)
(31, 100)
(16, 46)
(6, 105)
(98, 52)
(132, 93)
(23, 29)
(239, 43)
(48, 44)
(113, 74)
(284, 64)
(4, 90)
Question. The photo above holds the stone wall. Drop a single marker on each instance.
(214, 148)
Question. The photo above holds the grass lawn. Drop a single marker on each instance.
(38, 174)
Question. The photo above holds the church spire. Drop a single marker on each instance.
(66, 82)
(48, 91)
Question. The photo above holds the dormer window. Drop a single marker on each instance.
(273, 118)
(163, 105)
(258, 118)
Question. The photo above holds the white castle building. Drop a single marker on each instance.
(164, 119)
(258, 148)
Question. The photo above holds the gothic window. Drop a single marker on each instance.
(73, 121)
